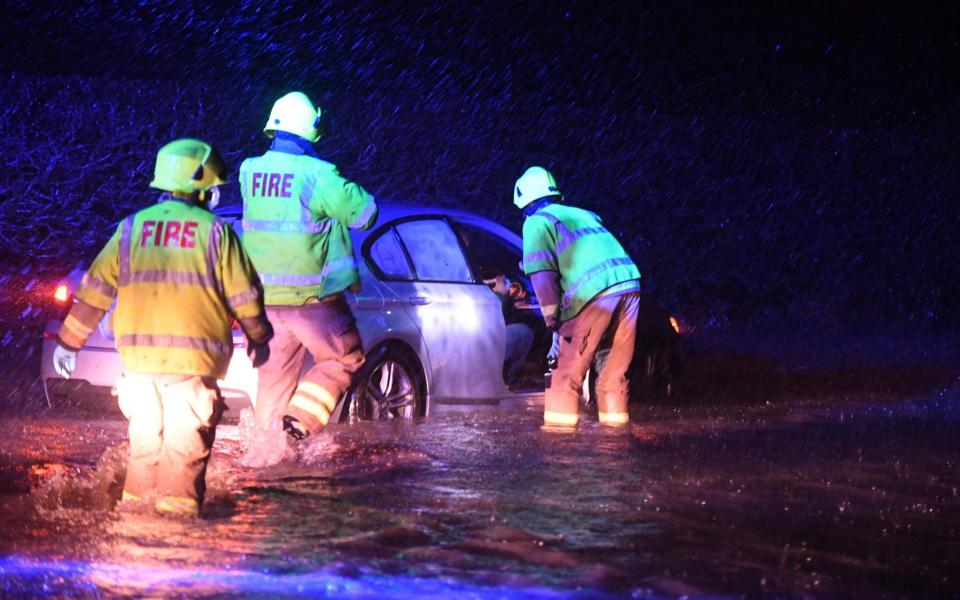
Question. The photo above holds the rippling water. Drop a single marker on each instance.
(820, 498)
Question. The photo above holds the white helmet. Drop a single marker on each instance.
(296, 114)
(535, 183)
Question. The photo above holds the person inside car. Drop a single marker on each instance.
(519, 335)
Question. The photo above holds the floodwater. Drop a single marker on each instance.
(818, 497)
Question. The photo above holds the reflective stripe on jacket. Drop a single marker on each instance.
(572, 242)
(178, 272)
(297, 212)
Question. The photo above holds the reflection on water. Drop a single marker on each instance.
(822, 499)
(23, 578)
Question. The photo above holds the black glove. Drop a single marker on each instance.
(258, 353)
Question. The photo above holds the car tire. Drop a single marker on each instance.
(651, 377)
(388, 386)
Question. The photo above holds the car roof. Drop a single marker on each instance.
(391, 211)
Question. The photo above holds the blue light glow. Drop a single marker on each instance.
(38, 578)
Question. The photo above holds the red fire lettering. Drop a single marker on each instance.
(172, 234)
(188, 240)
(146, 231)
(276, 185)
(158, 236)
(286, 185)
(273, 185)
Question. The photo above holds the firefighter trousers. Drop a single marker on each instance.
(612, 321)
(172, 425)
(328, 331)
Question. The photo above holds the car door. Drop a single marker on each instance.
(459, 318)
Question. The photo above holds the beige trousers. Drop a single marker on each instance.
(172, 424)
(611, 320)
(328, 331)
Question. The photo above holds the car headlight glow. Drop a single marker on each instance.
(675, 323)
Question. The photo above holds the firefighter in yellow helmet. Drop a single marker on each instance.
(179, 275)
(589, 291)
(297, 213)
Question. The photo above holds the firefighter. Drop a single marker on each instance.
(297, 212)
(179, 276)
(589, 293)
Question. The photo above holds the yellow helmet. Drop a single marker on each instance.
(296, 114)
(188, 165)
(535, 183)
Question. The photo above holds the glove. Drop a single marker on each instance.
(64, 361)
(554, 351)
(258, 353)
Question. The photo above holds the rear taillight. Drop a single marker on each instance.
(61, 295)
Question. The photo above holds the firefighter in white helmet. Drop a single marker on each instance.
(589, 291)
(179, 276)
(297, 213)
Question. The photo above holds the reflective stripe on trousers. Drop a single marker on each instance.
(552, 417)
(314, 400)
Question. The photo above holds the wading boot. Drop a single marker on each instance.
(294, 428)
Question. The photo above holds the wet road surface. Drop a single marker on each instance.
(849, 496)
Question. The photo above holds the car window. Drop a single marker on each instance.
(435, 251)
(489, 253)
(387, 254)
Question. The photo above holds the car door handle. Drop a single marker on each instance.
(420, 300)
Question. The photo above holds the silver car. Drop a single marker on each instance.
(433, 332)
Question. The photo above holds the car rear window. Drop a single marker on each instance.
(387, 254)
(434, 250)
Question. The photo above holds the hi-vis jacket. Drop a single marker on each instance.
(296, 213)
(583, 258)
(178, 273)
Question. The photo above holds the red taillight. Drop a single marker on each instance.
(675, 324)
(61, 294)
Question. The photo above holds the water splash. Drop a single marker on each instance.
(317, 449)
(262, 447)
(61, 487)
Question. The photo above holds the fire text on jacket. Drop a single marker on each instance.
(179, 234)
(272, 185)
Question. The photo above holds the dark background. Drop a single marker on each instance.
(772, 166)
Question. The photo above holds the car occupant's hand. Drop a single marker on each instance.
(64, 361)
(258, 353)
(501, 285)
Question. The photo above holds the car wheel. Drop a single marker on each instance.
(656, 376)
(649, 377)
(388, 386)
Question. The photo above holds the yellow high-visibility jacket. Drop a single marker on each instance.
(297, 212)
(177, 273)
(584, 257)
